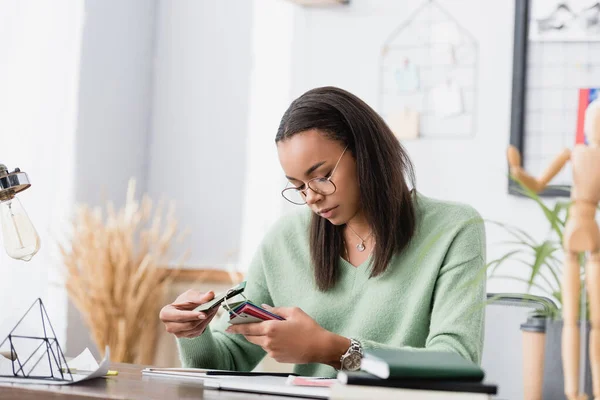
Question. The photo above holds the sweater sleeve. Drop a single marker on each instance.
(216, 349)
(457, 314)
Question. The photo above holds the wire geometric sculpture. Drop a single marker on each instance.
(26, 364)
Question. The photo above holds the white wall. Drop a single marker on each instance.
(200, 121)
(39, 70)
(113, 123)
(273, 39)
(342, 47)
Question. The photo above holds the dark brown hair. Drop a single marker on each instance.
(383, 168)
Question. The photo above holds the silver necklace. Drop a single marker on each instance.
(361, 246)
(348, 254)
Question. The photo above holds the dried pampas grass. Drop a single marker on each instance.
(117, 274)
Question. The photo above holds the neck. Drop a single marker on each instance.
(359, 224)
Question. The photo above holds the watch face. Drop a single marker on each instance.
(352, 362)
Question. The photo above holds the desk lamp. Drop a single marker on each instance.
(21, 241)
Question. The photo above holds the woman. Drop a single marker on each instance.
(372, 264)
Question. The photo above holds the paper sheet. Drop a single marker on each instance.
(267, 385)
(446, 100)
(404, 123)
(83, 362)
(311, 381)
(407, 78)
(190, 373)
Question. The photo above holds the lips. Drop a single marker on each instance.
(326, 210)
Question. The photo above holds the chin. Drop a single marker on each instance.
(336, 221)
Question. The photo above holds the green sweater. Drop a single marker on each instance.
(424, 301)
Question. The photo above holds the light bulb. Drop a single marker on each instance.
(21, 241)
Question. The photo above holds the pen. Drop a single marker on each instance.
(81, 371)
(11, 355)
(236, 373)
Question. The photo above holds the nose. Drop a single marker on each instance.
(313, 197)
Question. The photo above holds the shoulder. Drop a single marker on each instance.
(286, 237)
(452, 221)
(432, 211)
(292, 227)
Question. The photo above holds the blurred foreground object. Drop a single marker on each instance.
(581, 244)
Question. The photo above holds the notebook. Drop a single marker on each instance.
(358, 392)
(441, 365)
(362, 378)
(267, 385)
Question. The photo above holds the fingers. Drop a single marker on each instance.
(252, 329)
(190, 329)
(192, 333)
(192, 299)
(258, 340)
(284, 312)
(179, 311)
(181, 328)
(172, 314)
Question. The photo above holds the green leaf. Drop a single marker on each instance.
(559, 208)
(542, 252)
(545, 264)
(551, 268)
(550, 215)
(518, 233)
(541, 288)
(541, 276)
(494, 264)
(514, 242)
(558, 296)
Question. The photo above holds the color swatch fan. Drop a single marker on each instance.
(246, 312)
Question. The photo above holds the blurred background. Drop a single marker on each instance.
(185, 96)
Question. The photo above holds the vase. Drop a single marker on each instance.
(546, 333)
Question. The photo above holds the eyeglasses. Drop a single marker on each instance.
(321, 185)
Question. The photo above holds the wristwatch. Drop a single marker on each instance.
(351, 359)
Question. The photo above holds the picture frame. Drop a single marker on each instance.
(519, 91)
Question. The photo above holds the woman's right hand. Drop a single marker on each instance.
(180, 319)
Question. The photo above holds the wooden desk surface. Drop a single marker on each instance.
(129, 384)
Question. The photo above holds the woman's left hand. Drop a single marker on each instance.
(298, 339)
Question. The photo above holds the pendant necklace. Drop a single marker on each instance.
(361, 246)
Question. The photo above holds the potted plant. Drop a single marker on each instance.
(117, 270)
(543, 262)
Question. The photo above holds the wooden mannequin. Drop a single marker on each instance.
(581, 234)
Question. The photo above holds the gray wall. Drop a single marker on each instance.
(115, 93)
(200, 121)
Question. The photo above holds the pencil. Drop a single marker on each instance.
(75, 371)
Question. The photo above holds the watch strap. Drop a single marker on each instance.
(355, 347)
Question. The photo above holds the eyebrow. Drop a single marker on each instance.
(308, 171)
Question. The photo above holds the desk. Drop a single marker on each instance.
(129, 384)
